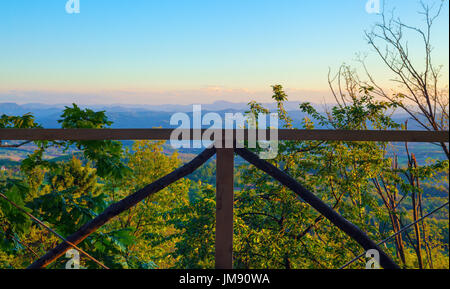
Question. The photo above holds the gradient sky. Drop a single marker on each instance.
(186, 51)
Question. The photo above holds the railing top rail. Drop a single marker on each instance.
(196, 134)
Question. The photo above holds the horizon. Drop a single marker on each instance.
(226, 102)
(225, 106)
(162, 53)
(224, 134)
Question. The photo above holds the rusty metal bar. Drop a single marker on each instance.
(122, 206)
(165, 134)
(334, 217)
(224, 208)
(52, 231)
(398, 233)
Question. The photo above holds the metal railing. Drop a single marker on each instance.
(224, 177)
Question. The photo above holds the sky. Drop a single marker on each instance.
(187, 51)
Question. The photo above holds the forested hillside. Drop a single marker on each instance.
(273, 227)
(392, 196)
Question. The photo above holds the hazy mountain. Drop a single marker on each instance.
(136, 116)
(148, 116)
(215, 106)
(133, 116)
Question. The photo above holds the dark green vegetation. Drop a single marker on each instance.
(273, 227)
(379, 188)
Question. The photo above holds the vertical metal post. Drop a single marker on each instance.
(224, 208)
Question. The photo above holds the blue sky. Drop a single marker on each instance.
(180, 51)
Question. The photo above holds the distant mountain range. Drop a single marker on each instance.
(147, 116)
(134, 116)
(131, 116)
(215, 106)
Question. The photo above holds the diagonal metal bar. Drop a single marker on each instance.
(52, 231)
(121, 206)
(350, 229)
(399, 232)
(20, 242)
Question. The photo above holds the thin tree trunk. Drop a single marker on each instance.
(417, 231)
(414, 183)
(420, 210)
(399, 239)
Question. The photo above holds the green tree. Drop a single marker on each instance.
(149, 222)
